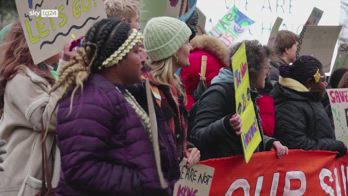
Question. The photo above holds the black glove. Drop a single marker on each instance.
(342, 149)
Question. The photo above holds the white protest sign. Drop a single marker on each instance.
(48, 25)
(339, 109)
(274, 32)
(230, 27)
(320, 41)
(194, 181)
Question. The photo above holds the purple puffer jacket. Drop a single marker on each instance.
(104, 147)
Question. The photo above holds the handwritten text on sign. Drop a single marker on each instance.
(339, 109)
(46, 36)
(250, 136)
(194, 181)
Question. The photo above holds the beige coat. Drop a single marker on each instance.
(26, 104)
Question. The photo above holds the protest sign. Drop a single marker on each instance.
(339, 108)
(312, 20)
(182, 9)
(48, 25)
(195, 180)
(298, 173)
(231, 26)
(295, 14)
(250, 136)
(274, 32)
(341, 57)
(314, 17)
(201, 22)
(320, 41)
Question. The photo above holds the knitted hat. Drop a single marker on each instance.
(302, 69)
(164, 36)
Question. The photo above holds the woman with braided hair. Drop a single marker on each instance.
(104, 135)
(26, 105)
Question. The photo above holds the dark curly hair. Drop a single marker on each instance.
(256, 53)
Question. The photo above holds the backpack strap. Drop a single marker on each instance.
(203, 67)
(156, 93)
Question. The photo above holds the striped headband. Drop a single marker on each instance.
(134, 38)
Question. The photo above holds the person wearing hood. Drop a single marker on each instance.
(217, 128)
(216, 53)
(301, 120)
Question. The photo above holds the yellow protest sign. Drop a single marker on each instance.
(49, 25)
(250, 136)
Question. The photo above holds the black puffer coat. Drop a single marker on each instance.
(301, 121)
(212, 132)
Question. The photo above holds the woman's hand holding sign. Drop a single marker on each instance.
(236, 123)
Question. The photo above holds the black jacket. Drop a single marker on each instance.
(301, 121)
(212, 133)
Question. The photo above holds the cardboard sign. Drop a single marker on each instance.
(339, 109)
(49, 24)
(312, 20)
(320, 41)
(201, 22)
(194, 181)
(250, 136)
(314, 17)
(231, 26)
(274, 32)
(298, 173)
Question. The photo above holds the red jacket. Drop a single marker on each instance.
(267, 114)
(216, 53)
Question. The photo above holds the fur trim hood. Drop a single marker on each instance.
(212, 45)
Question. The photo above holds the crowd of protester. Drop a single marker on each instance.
(126, 107)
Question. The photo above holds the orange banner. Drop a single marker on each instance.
(298, 173)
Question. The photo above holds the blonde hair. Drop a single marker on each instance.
(126, 9)
(164, 73)
(74, 73)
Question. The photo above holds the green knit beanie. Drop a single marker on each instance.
(164, 36)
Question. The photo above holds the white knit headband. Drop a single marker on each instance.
(134, 38)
